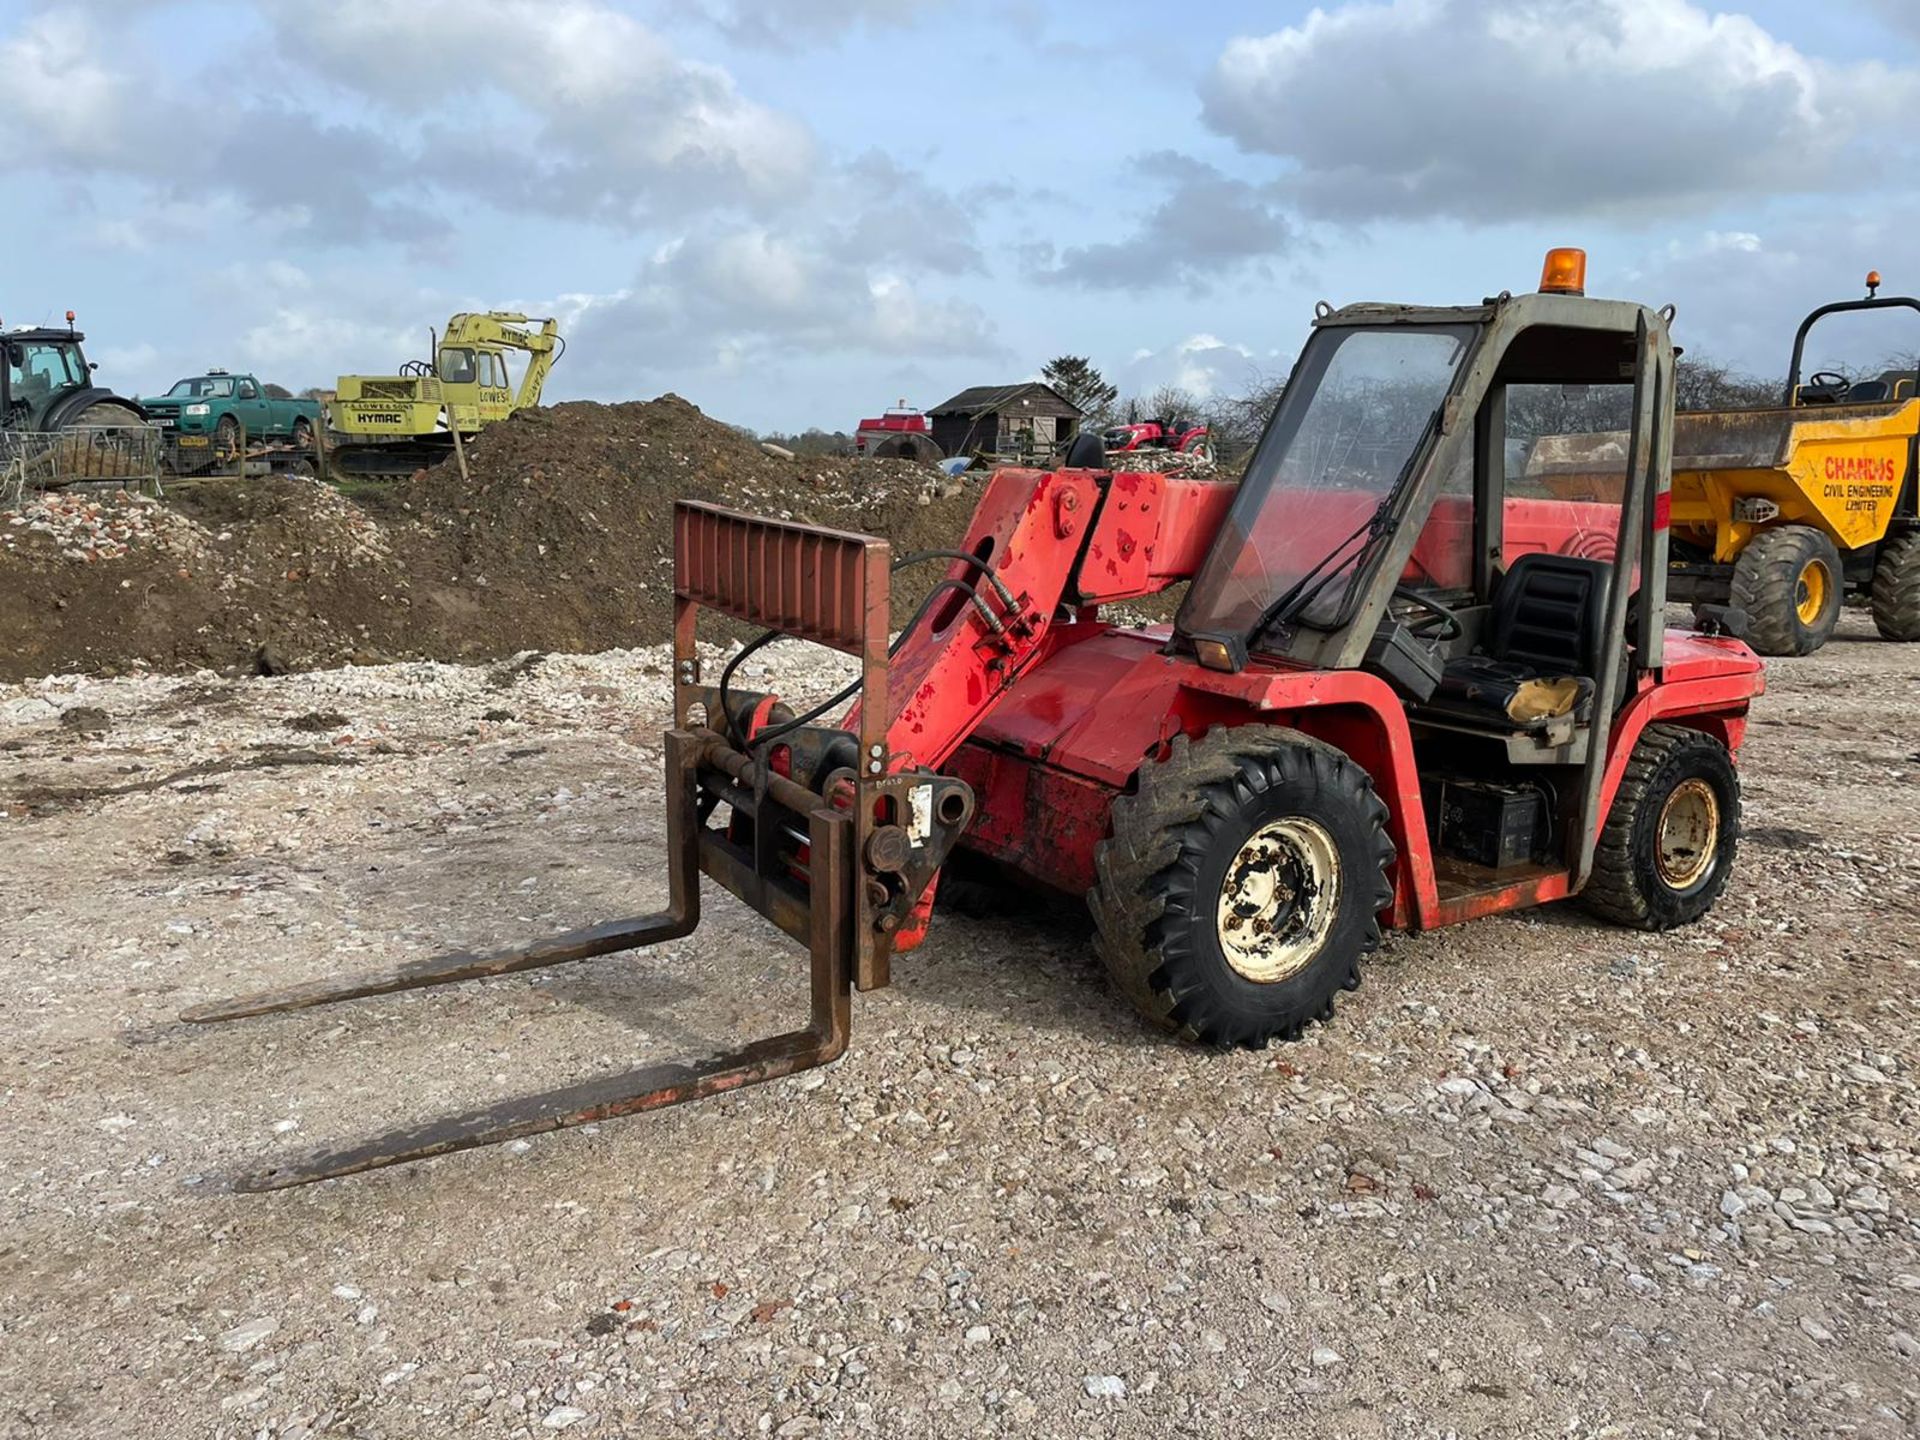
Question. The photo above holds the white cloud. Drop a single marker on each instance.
(59, 96)
(726, 299)
(1496, 109)
(1202, 365)
(569, 100)
(1208, 225)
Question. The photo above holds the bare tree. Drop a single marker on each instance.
(1701, 383)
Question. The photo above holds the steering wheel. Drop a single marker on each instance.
(1826, 380)
(1437, 614)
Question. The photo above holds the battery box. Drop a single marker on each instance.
(1493, 825)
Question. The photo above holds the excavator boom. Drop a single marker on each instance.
(508, 330)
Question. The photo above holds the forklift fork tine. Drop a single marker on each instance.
(650, 1087)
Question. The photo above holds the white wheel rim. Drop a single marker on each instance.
(1687, 838)
(1278, 899)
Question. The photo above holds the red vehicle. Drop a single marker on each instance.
(1171, 433)
(1407, 687)
(902, 433)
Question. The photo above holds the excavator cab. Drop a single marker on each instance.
(1421, 675)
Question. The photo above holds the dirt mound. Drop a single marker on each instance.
(571, 508)
(559, 539)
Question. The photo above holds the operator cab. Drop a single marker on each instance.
(1830, 387)
(1439, 501)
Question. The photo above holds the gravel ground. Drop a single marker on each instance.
(1538, 1177)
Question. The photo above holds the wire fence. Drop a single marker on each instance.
(94, 454)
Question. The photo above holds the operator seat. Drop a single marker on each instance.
(1542, 650)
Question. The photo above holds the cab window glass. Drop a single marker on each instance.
(52, 366)
(456, 366)
(1566, 463)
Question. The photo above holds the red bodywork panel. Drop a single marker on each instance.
(1047, 712)
(1049, 760)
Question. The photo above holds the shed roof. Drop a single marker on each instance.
(984, 399)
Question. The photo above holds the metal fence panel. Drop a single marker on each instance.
(127, 454)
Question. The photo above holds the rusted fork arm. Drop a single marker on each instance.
(651, 1087)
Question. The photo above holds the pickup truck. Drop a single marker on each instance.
(203, 417)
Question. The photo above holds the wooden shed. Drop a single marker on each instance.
(1028, 418)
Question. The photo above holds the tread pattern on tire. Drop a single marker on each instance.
(1130, 894)
(1766, 581)
(1896, 588)
(1613, 891)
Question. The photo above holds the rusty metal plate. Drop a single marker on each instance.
(827, 586)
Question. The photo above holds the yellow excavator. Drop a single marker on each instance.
(396, 424)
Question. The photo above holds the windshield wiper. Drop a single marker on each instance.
(1291, 602)
(1302, 593)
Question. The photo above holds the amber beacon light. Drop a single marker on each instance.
(1565, 273)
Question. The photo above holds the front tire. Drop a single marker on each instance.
(1789, 582)
(302, 435)
(1242, 883)
(1667, 851)
(226, 437)
(1896, 588)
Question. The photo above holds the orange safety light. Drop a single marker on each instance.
(69, 317)
(1873, 283)
(1565, 272)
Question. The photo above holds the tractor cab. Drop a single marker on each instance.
(1470, 504)
(43, 367)
(47, 384)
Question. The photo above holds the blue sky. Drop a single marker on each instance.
(795, 213)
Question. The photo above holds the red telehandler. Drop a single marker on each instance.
(1408, 686)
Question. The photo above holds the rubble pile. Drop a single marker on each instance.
(90, 527)
(557, 538)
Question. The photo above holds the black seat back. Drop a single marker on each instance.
(1550, 614)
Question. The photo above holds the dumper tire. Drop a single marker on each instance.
(1896, 588)
(1668, 846)
(1790, 583)
(1260, 803)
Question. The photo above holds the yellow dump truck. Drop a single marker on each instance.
(398, 423)
(1785, 512)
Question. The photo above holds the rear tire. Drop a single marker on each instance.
(1667, 850)
(1896, 588)
(1242, 884)
(1789, 582)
